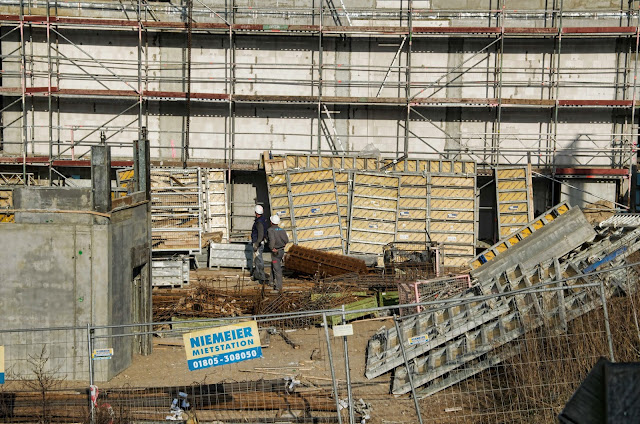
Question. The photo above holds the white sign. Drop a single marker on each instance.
(419, 339)
(342, 330)
(102, 354)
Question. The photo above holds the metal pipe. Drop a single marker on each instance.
(406, 365)
(348, 371)
(334, 382)
(607, 327)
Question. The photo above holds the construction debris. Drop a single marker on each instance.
(463, 341)
(323, 264)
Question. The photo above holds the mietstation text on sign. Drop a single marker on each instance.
(222, 345)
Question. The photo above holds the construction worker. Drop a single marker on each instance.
(258, 240)
(277, 241)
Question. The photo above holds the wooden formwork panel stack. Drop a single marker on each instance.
(412, 211)
(216, 217)
(453, 211)
(176, 209)
(514, 198)
(348, 163)
(279, 200)
(343, 187)
(314, 212)
(374, 212)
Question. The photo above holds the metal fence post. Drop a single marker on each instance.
(352, 419)
(607, 328)
(90, 351)
(406, 364)
(333, 371)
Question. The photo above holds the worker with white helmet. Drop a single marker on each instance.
(277, 239)
(258, 240)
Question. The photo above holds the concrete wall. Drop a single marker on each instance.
(353, 66)
(60, 272)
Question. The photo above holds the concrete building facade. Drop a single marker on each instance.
(552, 83)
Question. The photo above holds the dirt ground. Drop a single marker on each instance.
(307, 362)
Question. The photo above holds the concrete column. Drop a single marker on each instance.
(453, 116)
(101, 178)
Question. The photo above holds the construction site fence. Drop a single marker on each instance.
(312, 374)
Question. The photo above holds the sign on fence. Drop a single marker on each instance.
(222, 345)
(102, 354)
(1, 364)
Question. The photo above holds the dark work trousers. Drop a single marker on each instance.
(258, 265)
(276, 269)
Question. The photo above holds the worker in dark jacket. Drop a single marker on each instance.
(277, 241)
(258, 240)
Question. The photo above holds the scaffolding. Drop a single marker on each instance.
(71, 54)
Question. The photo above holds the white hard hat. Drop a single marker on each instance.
(259, 210)
(275, 219)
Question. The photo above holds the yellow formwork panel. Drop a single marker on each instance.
(344, 222)
(365, 236)
(292, 161)
(413, 191)
(411, 165)
(317, 221)
(343, 210)
(512, 185)
(508, 230)
(458, 167)
(7, 217)
(413, 238)
(314, 161)
(372, 249)
(452, 250)
(275, 179)
(452, 238)
(453, 192)
(282, 212)
(469, 167)
(371, 164)
(218, 209)
(448, 204)
(309, 199)
(326, 162)
(457, 262)
(413, 225)
(328, 209)
(448, 181)
(452, 227)
(373, 214)
(279, 202)
(377, 180)
(514, 196)
(387, 193)
(342, 189)
(514, 208)
(511, 173)
(216, 187)
(341, 177)
(452, 216)
(446, 166)
(360, 164)
(125, 174)
(412, 214)
(371, 225)
(413, 180)
(363, 202)
(411, 202)
(184, 199)
(434, 166)
(332, 244)
(278, 191)
(314, 233)
(508, 219)
(305, 177)
(313, 187)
